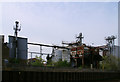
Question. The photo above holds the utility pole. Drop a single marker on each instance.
(16, 28)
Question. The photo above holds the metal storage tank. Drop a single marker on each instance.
(57, 55)
(117, 51)
(22, 47)
(65, 55)
(11, 47)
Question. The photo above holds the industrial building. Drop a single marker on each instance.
(104, 51)
(77, 53)
(83, 55)
(8, 49)
(61, 54)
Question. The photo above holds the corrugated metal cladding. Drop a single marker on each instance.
(22, 47)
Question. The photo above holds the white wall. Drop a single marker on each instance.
(0, 58)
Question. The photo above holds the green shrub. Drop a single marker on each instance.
(50, 63)
(80, 67)
(38, 62)
(14, 60)
(109, 63)
(62, 64)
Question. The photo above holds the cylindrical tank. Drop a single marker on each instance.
(66, 55)
(57, 55)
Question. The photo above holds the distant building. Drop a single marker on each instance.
(21, 48)
(61, 54)
(104, 51)
(9, 51)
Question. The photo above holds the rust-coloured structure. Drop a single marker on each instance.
(82, 55)
(85, 55)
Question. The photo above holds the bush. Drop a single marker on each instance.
(109, 63)
(62, 64)
(38, 62)
(14, 60)
(80, 67)
(49, 63)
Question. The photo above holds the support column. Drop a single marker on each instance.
(40, 51)
(31, 57)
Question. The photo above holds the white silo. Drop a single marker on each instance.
(65, 55)
(57, 55)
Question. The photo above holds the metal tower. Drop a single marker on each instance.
(110, 43)
(79, 39)
(16, 28)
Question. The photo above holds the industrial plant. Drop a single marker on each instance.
(77, 54)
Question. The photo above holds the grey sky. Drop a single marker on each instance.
(54, 22)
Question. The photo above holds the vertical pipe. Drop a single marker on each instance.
(40, 51)
(31, 57)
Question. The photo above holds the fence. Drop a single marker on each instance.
(33, 76)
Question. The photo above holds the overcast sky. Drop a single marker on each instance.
(54, 22)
